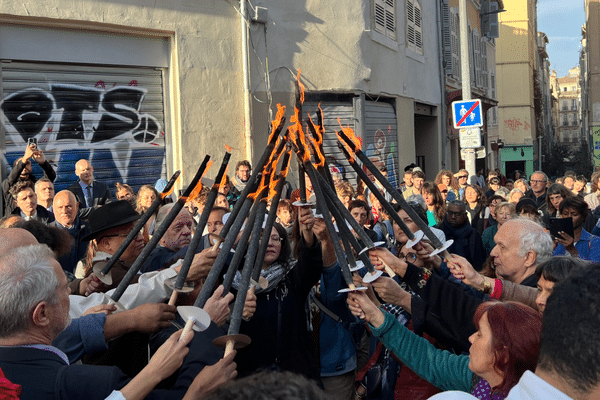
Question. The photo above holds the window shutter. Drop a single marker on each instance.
(418, 28)
(390, 18)
(410, 24)
(379, 14)
(493, 31)
(447, 37)
(456, 44)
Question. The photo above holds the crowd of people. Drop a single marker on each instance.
(507, 312)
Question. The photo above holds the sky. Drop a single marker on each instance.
(561, 21)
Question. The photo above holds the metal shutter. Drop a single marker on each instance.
(331, 112)
(113, 116)
(381, 137)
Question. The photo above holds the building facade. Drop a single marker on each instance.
(517, 72)
(145, 88)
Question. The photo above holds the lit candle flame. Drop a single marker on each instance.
(277, 121)
(349, 132)
(301, 86)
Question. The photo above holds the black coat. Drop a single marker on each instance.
(43, 215)
(100, 196)
(13, 178)
(278, 329)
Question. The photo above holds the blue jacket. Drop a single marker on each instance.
(338, 350)
(588, 247)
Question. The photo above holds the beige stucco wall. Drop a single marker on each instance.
(515, 64)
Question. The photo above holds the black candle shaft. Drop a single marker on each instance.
(256, 215)
(158, 234)
(339, 252)
(139, 225)
(191, 251)
(345, 233)
(345, 212)
(264, 241)
(400, 199)
(215, 271)
(240, 298)
(375, 190)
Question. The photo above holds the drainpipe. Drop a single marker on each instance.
(443, 110)
(246, 75)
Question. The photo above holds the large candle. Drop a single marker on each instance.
(158, 234)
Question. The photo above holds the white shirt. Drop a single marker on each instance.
(532, 387)
(151, 288)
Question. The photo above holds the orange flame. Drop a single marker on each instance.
(273, 155)
(301, 86)
(275, 123)
(272, 186)
(350, 133)
(345, 145)
(196, 192)
(298, 135)
(261, 185)
(163, 195)
(317, 145)
(224, 178)
(228, 149)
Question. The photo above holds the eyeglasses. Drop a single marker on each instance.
(455, 214)
(534, 181)
(463, 177)
(275, 238)
(410, 257)
(444, 191)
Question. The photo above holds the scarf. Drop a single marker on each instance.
(274, 274)
(460, 236)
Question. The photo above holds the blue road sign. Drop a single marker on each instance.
(467, 114)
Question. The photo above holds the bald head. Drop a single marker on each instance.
(65, 208)
(85, 171)
(11, 238)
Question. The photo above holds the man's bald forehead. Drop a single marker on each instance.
(63, 194)
(11, 238)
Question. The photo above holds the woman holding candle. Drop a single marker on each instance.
(503, 348)
(278, 329)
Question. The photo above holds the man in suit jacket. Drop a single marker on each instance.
(28, 328)
(90, 193)
(26, 204)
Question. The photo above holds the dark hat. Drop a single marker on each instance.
(110, 216)
(525, 201)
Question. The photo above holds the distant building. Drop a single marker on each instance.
(569, 109)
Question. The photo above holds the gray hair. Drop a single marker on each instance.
(534, 238)
(540, 173)
(162, 214)
(40, 181)
(515, 190)
(26, 279)
(502, 192)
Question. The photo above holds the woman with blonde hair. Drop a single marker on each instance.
(145, 197)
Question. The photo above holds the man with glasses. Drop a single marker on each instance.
(463, 180)
(467, 240)
(243, 170)
(538, 182)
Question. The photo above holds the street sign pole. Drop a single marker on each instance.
(465, 72)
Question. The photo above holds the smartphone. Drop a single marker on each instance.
(32, 141)
(561, 225)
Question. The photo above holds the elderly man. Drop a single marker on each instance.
(65, 208)
(521, 245)
(27, 331)
(21, 171)
(26, 204)
(44, 190)
(175, 238)
(538, 190)
(90, 193)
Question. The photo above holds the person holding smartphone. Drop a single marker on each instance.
(22, 171)
(583, 244)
